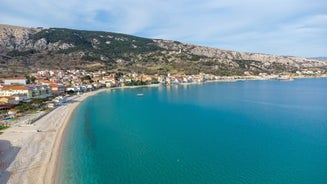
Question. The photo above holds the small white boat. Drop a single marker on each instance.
(140, 94)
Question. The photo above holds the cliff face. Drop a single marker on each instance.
(26, 49)
(14, 37)
(18, 38)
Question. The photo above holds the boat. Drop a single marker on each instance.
(285, 78)
(140, 94)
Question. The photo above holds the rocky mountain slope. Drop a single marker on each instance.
(14, 37)
(23, 50)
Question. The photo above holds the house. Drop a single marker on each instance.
(20, 97)
(12, 112)
(39, 91)
(55, 87)
(108, 81)
(90, 87)
(8, 100)
(50, 105)
(110, 84)
(74, 89)
(44, 91)
(15, 90)
(60, 100)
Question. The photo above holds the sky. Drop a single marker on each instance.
(279, 27)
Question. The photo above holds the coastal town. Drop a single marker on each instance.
(142, 92)
(46, 89)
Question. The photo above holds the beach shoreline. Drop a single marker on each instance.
(30, 156)
(31, 153)
(54, 158)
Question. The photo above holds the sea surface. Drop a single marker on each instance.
(271, 132)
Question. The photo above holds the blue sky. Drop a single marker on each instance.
(281, 27)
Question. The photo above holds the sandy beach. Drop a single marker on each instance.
(29, 154)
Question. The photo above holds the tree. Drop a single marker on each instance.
(30, 79)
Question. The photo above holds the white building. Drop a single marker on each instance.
(37, 91)
(14, 90)
(11, 81)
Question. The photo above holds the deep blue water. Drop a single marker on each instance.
(233, 132)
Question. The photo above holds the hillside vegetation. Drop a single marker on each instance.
(23, 50)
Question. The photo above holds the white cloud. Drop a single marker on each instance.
(272, 26)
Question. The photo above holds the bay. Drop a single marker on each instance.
(225, 132)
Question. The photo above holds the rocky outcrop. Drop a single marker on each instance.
(14, 37)
(18, 38)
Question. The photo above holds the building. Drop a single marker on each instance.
(14, 90)
(5, 107)
(55, 87)
(14, 81)
(39, 91)
(31, 91)
(8, 100)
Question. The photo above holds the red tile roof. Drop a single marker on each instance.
(14, 88)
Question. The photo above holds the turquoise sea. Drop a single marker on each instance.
(270, 132)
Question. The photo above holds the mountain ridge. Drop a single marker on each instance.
(23, 50)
